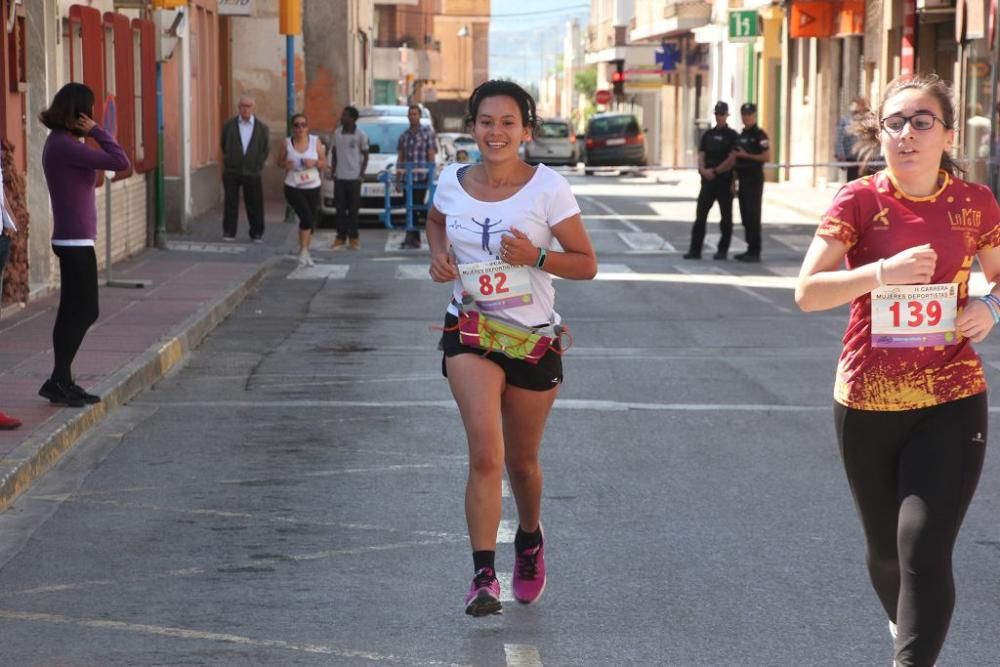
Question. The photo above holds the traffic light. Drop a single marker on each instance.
(618, 80)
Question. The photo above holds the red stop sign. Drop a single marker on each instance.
(603, 96)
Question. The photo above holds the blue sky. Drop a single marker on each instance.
(524, 37)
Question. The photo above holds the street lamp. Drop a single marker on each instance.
(463, 32)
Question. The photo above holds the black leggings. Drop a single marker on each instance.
(305, 203)
(913, 474)
(77, 305)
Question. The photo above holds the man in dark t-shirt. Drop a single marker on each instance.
(715, 164)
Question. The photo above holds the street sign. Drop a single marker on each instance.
(110, 116)
(602, 96)
(744, 24)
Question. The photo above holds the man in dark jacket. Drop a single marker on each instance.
(245, 144)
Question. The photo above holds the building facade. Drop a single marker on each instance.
(801, 62)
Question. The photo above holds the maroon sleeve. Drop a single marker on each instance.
(842, 220)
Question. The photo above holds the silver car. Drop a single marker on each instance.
(554, 142)
(383, 133)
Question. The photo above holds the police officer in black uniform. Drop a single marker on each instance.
(752, 151)
(716, 158)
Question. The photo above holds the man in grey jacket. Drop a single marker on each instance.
(245, 144)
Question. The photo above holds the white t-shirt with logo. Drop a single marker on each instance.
(475, 229)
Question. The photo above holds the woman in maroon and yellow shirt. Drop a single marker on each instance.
(910, 395)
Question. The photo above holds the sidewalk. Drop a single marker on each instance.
(142, 334)
(807, 201)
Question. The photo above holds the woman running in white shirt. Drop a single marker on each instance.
(493, 224)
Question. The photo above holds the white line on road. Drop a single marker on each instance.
(564, 404)
(506, 531)
(251, 563)
(184, 633)
(320, 271)
(505, 579)
(133, 506)
(522, 655)
(611, 212)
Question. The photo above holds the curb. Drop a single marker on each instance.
(34, 456)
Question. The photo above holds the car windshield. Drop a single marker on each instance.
(613, 125)
(383, 137)
(553, 131)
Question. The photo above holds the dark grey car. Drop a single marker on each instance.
(614, 140)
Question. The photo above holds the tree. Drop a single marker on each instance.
(585, 82)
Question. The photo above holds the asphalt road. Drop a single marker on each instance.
(294, 494)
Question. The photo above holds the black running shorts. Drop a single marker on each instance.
(544, 375)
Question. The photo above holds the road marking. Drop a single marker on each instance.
(735, 245)
(797, 242)
(643, 241)
(199, 635)
(419, 271)
(130, 505)
(254, 562)
(412, 272)
(449, 404)
(309, 380)
(628, 224)
(320, 272)
(394, 238)
(522, 655)
(219, 248)
(506, 587)
(506, 531)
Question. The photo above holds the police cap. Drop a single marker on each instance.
(749, 107)
(721, 107)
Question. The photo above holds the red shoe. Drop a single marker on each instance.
(8, 423)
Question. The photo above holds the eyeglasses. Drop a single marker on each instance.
(300, 124)
(919, 121)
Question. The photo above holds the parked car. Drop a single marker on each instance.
(553, 142)
(614, 140)
(452, 142)
(383, 132)
(392, 110)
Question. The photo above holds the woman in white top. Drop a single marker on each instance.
(303, 157)
(494, 223)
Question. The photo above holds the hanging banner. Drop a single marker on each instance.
(975, 20)
(850, 18)
(811, 19)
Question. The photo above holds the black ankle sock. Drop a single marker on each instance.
(523, 540)
(481, 559)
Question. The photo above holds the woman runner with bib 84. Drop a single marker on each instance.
(490, 230)
(910, 398)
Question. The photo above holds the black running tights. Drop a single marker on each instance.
(77, 305)
(913, 474)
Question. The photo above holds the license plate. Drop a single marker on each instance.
(373, 189)
(616, 142)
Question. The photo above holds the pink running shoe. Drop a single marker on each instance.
(484, 594)
(529, 574)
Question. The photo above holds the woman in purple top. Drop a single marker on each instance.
(71, 169)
